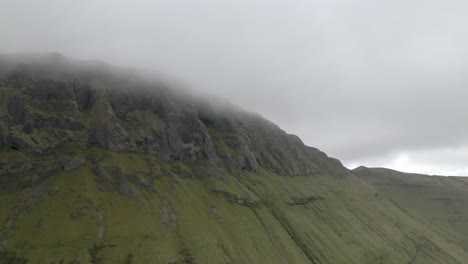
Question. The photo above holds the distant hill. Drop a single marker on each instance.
(440, 201)
(99, 164)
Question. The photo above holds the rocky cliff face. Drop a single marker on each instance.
(46, 107)
(98, 165)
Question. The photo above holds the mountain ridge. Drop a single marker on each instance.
(113, 105)
(98, 166)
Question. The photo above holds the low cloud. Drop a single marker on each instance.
(361, 80)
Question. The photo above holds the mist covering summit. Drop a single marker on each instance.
(99, 165)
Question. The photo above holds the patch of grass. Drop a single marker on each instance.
(224, 142)
(10, 257)
(196, 219)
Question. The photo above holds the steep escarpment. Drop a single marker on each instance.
(100, 165)
(46, 105)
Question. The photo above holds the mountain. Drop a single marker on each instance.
(99, 164)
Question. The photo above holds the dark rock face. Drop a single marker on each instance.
(17, 109)
(188, 138)
(256, 142)
(49, 106)
(83, 95)
(111, 136)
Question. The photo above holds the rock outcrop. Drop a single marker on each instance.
(48, 105)
(98, 165)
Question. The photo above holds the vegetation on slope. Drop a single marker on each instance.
(262, 217)
(99, 167)
(439, 201)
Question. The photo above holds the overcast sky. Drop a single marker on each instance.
(375, 83)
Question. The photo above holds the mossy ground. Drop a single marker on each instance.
(253, 219)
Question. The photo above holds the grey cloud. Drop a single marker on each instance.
(358, 79)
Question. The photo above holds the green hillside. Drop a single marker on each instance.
(100, 165)
(440, 201)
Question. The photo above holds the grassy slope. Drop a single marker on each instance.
(253, 218)
(262, 218)
(439, 200)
